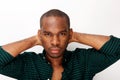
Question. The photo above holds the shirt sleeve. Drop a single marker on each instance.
(112, 46)
(9, 65)
(5, 57)
(106, 56)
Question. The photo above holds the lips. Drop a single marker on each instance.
(55, 50)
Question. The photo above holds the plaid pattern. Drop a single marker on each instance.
(81, 64)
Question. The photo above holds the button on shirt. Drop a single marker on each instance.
(80, 64)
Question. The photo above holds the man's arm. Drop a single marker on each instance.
(17, 47)
(96, 41)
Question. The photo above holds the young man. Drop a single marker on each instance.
(56, 63)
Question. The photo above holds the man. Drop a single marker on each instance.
(56, 63)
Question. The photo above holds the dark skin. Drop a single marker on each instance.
(55, 35)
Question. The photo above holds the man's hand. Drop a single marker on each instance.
(73, 37)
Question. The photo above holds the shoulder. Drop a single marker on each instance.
(85, 51)
(28, 55)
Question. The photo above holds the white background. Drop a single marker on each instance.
(20, 19)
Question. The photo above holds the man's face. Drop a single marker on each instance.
(55, 36)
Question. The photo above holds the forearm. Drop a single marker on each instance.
(16, 48)
(96, 41)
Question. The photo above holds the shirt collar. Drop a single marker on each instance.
(65, 56)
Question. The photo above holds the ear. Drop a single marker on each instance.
(39, 34)
(39, 38)
(71, 33)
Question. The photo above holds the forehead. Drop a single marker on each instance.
(54, 23)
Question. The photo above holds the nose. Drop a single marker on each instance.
(55, 41)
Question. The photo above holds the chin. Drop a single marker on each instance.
(56, 56)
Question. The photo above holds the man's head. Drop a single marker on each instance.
(55, 13)
(55, 32)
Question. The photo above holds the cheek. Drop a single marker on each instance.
(64, 41)
(45, 42)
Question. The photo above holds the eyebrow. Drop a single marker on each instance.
(64, 30)
(44, 31)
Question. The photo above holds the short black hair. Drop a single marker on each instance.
(57, 13)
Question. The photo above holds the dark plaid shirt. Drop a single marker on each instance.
(80, 64)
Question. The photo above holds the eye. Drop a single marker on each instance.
(47, 34)
(63, 33)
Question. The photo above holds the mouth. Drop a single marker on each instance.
(55, 50)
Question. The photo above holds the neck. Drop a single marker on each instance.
(55, 62)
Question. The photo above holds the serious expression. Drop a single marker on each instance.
(55, 35)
